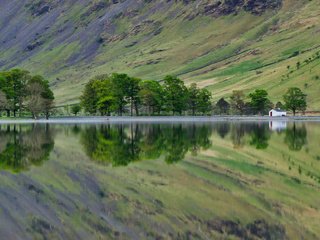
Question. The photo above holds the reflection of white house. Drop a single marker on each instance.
(277, 126)
(277, 113)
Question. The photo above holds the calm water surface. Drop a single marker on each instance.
(258, 180)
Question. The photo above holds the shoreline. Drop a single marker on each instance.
(161, 119)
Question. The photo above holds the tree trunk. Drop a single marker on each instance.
(136, 108)
(8, 113)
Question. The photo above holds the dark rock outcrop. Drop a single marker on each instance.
(226, 7)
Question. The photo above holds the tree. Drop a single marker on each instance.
(89, 98)
(104, 90)
(39, 96)
(3, 101)
(295, 99)
(105, 105)
(223, 106)
(193, 94)
(20, 79)
(119, 84)
(259, 101)
(279, 105)
(48, 97)
(237, 102)
(132, 93)
(75, 109)
(176, 94)
(13, 84)
(34, 99)
(151, 95)
(204, 101)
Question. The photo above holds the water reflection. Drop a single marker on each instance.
(260, 136)
(121, 144)
(296, 137)
(278, 126)
(24, 145)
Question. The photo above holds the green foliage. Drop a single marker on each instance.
(151, 95)
(279, 105)
(199, 100)
(89, 98)
(295, 100)
(75, 109)
(176, 95)
(115, 93)
(237, 102)
(119, 84)
(39, 97)
(13, 84)
(193, 92)
(260, 102)
(204, 101)
(16, 93)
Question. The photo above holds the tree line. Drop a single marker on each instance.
(259, 103)
(22, 92)
(118, 94)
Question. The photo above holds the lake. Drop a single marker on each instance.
(221, 180)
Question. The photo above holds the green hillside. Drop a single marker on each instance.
(223, 46)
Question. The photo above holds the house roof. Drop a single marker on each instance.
(277, 110)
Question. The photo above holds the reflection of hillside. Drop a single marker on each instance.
(122, 144)
(23, 146)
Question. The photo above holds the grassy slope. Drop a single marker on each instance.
(222, 54)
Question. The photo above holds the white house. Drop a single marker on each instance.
(277, 113)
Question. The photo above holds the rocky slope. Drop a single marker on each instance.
(222, 44)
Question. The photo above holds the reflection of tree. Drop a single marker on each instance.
(296, 137)
(260, 136)
(107, 144)
(120, 145)
(176, 144)
(23, 146)
(259, 133)
(237, 133)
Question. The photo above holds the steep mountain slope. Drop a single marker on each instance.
(222, 45)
